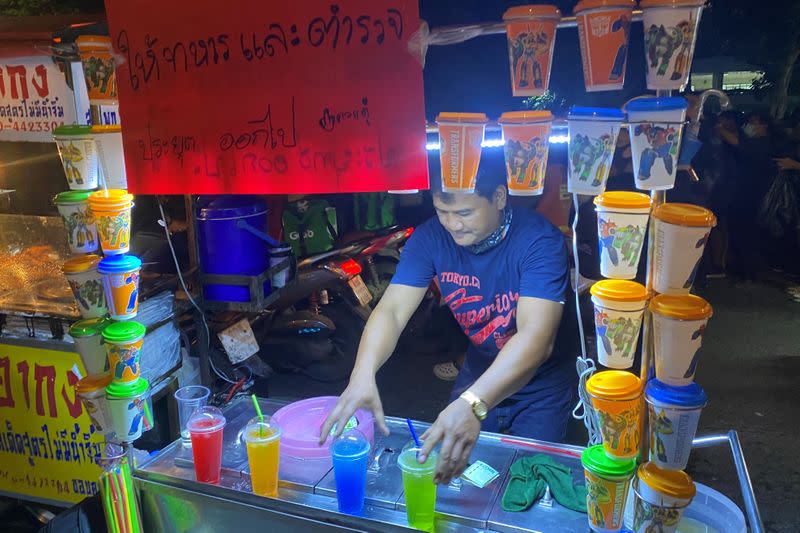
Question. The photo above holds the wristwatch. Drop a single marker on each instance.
(479, 407)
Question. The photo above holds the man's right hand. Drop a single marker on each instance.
(361, 393)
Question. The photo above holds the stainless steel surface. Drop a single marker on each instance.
(745, 483)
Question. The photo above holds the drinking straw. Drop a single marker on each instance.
(260, 415)
(413, 433)
(126, 517)
(119, 505)
(148, 416)
(131, 495)
(109, 506)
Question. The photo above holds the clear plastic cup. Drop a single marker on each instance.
(189, 399)
(262, 438)
(350, 453)
(419, 489)
(205, 429)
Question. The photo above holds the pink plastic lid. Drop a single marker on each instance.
(300, 424)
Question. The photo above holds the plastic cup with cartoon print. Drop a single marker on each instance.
(205, 429)
(607, 482)
(617, 400)
(112, 213)
(670, 32)
(661, 498)
(189, 399)
(460, 138)
(618, 310)
(262, 438)
(531, 33)
(73, 206)
(593, 135)
(88, 337)
(673, 415)
(78, 152)
(604, 28)
(622, 218)
(679, 323)
(526, 135)
(123, 342)
(681, 233)
(655, 128)
(86, 284)
(97, 58)
(111, 156)
(120, 276)
(92, 392)
(419, 490)
(127, 408)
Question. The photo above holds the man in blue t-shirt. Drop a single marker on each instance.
(504, 274)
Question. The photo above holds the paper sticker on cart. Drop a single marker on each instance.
(239, 341)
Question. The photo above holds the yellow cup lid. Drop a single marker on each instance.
(525, 117)
(93, 383)
(472, 118)
(673, 483)
(111, 196)
(80, 263)
(685, 215)
(527, 12)
(614, 385)
(619, 290)
(623, 200)
(682, 307)
(107, 128)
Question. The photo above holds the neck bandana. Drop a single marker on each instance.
(495, 238)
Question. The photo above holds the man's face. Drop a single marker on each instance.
(469, 218)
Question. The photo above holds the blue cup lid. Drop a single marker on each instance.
(350, 445)
(657, 104)
(691, 395)
(115, 264)
(596, 113)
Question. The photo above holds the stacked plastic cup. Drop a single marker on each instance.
(78, 220)
(674, 413)
(78, 152)
(617, 399)
(92, 392)
(661, 498)
(679, 323)
(621, 226)
(86, 284)
(88, 337)
(607, 482)
(527, 144)
(460, 138)
(618, 310)
(128, 408)
(123, 342)
(112, 213)
(531, 32)
(120, 275)
(593, 135)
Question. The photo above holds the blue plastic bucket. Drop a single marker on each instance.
(226, 247)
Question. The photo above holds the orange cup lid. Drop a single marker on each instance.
(80, 263)
(685, 215)
(529, 12)
(619, 290)
(671, 3)
(111, 128)
(614, 385)
(470, 118)
(94, 41)
(673, 483)
(93, 383)
(623, 200)
(682, 307)
(583, 5)
(525, 117)
(109, 197)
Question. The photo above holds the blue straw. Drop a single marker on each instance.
(413, 433)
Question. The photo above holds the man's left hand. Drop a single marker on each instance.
(457, 428)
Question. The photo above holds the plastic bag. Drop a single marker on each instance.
(780, 210)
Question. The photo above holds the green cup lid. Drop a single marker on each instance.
(88, 327)
(127, 390)
(595, 459)
(123, 331)
(72, 129)
(72, 197)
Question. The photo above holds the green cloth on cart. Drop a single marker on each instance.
(528, 478)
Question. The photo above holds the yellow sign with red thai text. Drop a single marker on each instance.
(47, 442)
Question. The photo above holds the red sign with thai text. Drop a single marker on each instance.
(269, 97)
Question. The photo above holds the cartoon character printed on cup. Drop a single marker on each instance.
(661, 425)
(623, 24)
(660, 518)
(661, 43)
(89, 294)
(527, 47)
(138, 405)
(625, 241)
(78, 233)
(71, 154)
(113, 229)
(622, 427)
(92, 410)
(585, 152)
(520, 155)
(100, 72)
(698, 245)
(663, 143)
(597, 496)
(621, 332)
(689, 374)
(127, 357)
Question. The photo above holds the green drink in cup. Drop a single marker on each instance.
(419, 489)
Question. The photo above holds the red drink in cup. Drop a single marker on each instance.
(205, 429)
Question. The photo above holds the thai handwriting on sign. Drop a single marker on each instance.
(153, 57)
(84, 487)
(42, 383)
(72, 445)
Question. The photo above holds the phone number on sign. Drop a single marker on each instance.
(32, 126)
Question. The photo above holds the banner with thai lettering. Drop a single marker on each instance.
(34, 99)
(47, 442)
(269, 97)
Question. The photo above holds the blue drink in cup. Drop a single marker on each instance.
(350, 454)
